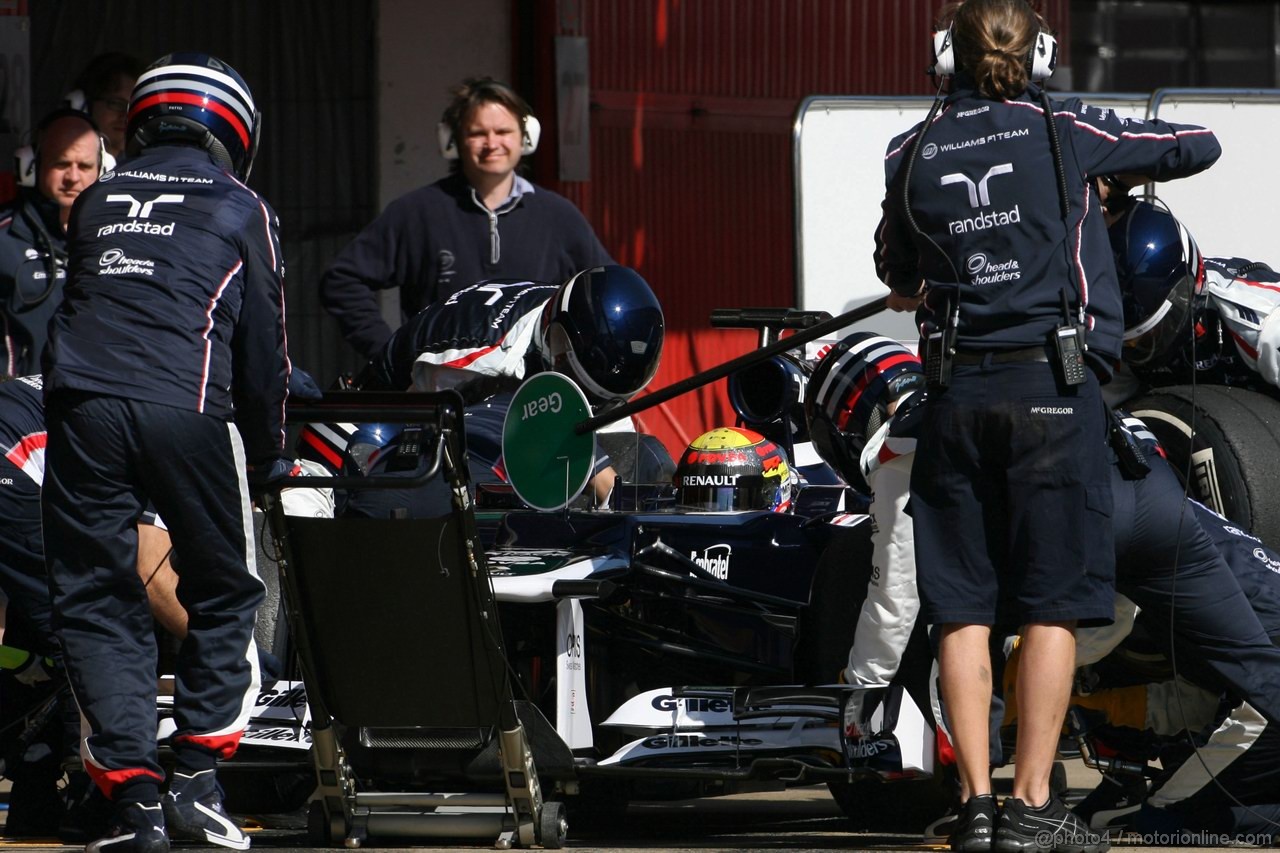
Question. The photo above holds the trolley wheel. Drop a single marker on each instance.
(318, 824)
(553, 828)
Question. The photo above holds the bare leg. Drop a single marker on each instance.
(964, 664)
(161, 581)
(1044, 688)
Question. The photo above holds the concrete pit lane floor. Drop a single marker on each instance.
(798, 819)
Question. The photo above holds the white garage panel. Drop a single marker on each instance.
(838, 158)
(838, 161)
(1229, 209)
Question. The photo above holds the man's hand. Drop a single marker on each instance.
(897, 302)
(268, 474)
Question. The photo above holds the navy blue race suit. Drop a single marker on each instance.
(32, 273)
(35, 766)
(1243, 751)
(1012, 461)
(172, 325)
(1176, 570)
(984, 187)
(1216, 590)
(480, 342)
(441, 238)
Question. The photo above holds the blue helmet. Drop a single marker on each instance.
(848, 397)
(368, 443)
(604, 329)
(196, 98)
(1161, 273)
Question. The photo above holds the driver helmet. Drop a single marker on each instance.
(1161, 273)
(339, 446)
(198, 99)
(603, 329)
(732, 468)
(326, 444)
(848, 397)
(369, 442)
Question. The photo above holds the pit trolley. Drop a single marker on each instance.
(415, 728)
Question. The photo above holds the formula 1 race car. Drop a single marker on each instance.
(648, 652)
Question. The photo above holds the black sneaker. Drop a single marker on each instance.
(193, 812)
(1050, 827)
(975, 825)
(134, 828)
(1113, 804)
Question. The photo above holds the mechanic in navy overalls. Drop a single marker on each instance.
(992, 228)
(603, 328)
(165, 373)
(1203, 583)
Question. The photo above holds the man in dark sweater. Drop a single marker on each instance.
(481, 222)
(66, 156)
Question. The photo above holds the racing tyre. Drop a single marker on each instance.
(552, 826)
(1229, 440)
(894, 806)
(822, 651)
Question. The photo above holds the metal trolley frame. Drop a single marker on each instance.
(415, 728)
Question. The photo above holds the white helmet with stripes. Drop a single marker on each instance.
(198, 99)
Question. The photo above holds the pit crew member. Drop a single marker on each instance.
(988, 204)
(150, 360)
(603, 328)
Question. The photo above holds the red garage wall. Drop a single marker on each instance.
(692, 104)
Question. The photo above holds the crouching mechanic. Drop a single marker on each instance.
(851, 399)
(1232, 787)
(26, 618)
(164, 375)
(1242, 754)
(603, 328)
(1217, 632)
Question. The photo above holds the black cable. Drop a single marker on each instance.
(1254, 267)
(1056, 147)
(55, 257)
(906, 189)
(159, 565)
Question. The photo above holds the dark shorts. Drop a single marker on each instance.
(1011, 500)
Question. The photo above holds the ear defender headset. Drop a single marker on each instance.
(1041, 61)
(76, 100)
(530, 133)
(26, 160)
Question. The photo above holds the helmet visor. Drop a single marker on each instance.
(1150, 342)
(727, 498)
